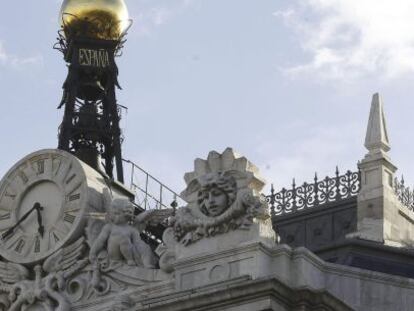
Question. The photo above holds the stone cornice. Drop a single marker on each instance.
(245, 291)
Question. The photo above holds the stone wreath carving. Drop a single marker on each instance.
(223, 194)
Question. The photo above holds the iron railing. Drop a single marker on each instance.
(311, 195)
(405, 194)
(150, 193)
(153, 194)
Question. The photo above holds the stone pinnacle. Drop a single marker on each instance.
(376, 139)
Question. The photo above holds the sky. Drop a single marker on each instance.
(286, 83)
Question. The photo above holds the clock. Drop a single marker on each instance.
(44, 203)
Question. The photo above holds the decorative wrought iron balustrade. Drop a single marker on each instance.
(150, 193)
(312, 195)
(405, 194)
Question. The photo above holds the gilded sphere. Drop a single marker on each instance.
(97, 19)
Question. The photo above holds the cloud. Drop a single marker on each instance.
(147, 20)
(148, 17)
(352, 39)
(10, 60)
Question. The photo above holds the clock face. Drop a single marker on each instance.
(42, 205)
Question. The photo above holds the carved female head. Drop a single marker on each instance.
(217, 193)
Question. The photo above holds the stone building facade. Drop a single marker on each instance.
(343, 243)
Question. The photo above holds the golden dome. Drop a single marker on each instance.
(98, 19)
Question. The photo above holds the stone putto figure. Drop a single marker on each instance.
(120, 240)
(117, 253)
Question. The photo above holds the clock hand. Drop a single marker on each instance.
(41, 229)
(11, 230)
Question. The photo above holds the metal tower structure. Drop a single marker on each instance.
(90, 127)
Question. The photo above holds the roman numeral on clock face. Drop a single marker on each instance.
(19, 246)
(69, 218)
(10, 195)
(23, 177)
(56, 163)
(74, 197)
(55, 237)
(37, 245)
(40, 167)
(5, 216)
(72, 177)
(62, 172)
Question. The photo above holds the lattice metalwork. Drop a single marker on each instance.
(405, 194)
(312, 195)
(91, 122)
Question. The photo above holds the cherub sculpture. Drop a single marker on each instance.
(120, 240)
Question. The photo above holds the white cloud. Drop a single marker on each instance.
(149, 17)
(350, 39)
(147, 20)
(16, 62)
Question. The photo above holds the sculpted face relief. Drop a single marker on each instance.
(119, 217)
(215, 202)
(222, 195)
(216, 195)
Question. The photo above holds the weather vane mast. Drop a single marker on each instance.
(92, 34)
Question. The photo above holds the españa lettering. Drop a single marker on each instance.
(94, 58)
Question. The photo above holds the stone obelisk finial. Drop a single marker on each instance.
(376, 139)
(379, 211)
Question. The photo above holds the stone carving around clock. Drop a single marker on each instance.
(64, 240)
